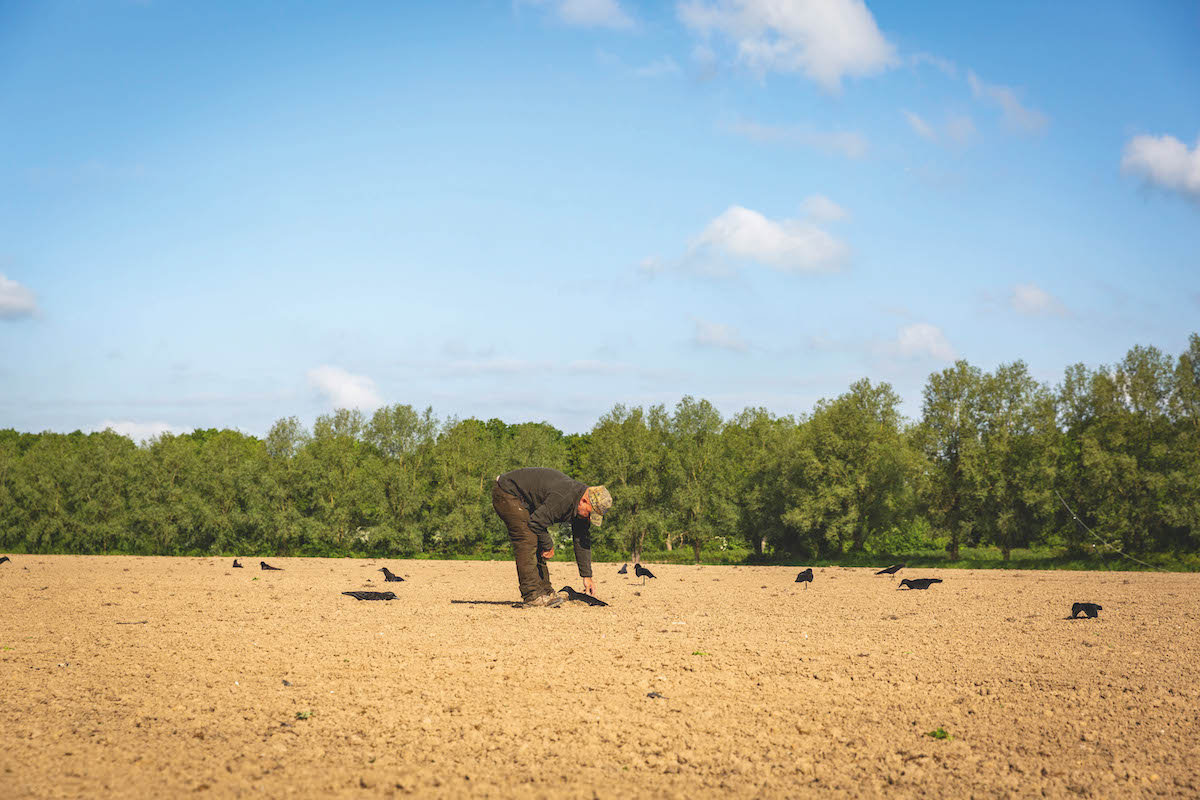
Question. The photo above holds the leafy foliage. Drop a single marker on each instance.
(983, 466)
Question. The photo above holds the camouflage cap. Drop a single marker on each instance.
(601, 502)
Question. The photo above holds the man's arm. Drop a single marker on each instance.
(581, 537)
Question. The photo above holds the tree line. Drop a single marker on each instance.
(995, 459)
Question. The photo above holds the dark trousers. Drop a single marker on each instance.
(532, 572)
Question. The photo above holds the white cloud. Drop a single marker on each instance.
(1018, 116)
(1165, 161)
(946, 66)
(958, 128)
(826, 40)
(921, 339)
(139, 431)
(16, 301)
(850, 144)
(652, 265)
(591, 366)
(788, 245)
(918, 124)
(705, 61)
(344, 390)
(717, 335)
(659, 67)
(587, 13)
(822, 209)
(496, 365)
(1032, 300)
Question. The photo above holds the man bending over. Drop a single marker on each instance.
(532, 499)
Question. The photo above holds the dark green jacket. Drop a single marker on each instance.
(552, 497)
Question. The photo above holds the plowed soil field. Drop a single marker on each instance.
(160, 677)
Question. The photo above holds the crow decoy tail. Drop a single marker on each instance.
(581, 597)
(265, 565)
(389, 576)
(918, 583)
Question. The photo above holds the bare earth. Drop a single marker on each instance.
(768, 689)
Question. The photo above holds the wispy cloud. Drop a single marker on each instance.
(16, 301)
(946, 66)
(922, 340)
(717, 335)
(957, 129)
(960, 129)
(1164, 161)
(919, 125)
(788, 245)
(659, 68)
(850, 144)
(822, 209)
(1032, 300)
(139, 431)
(586, 13)
(1018, 116)
(825, 40)
(653, 265)
(343, 389)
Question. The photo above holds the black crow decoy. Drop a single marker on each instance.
(624, 570)
(265, 565)
(371, 595)
(918, 583)
(642, 572)
(581, 597)
(805, 577)
(4, 558)
(892, 570)
(389, 576)
(236, 564)
(1091, 609)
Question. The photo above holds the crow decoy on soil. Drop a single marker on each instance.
(642, 572)
(4, 558)
(236, 565)
(581, 597)
(624, 570)
(371, 595)
(265, 565)
(389, 576)
(1091, 609)
(805, 577)
(892, 570)
(918, 583)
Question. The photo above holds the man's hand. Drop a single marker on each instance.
(548, 554)
(589, 586)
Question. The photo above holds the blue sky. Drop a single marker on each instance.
(221, 214)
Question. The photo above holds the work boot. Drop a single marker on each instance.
(548, 600)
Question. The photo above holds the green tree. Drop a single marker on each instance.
(854, 471)
(625, 453)
(762, 450)
(399, 474)
(464, 467)
(1012, 471)
(697, 496)
(949, 437)
(1182, 507)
